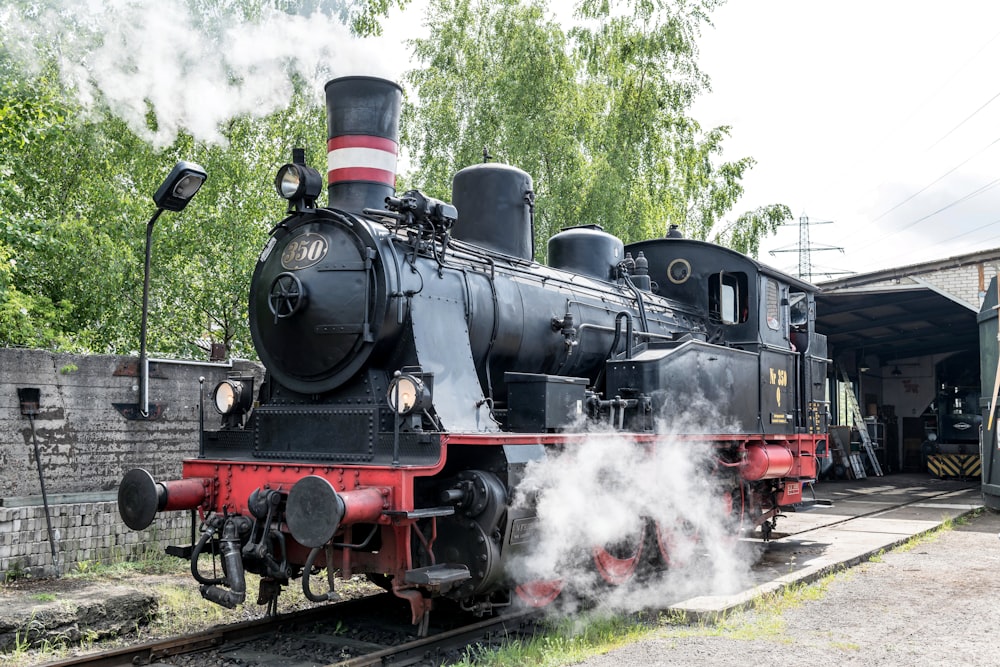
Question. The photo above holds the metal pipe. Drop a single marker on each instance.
(191, 362)
(229, 543)
(143, 362)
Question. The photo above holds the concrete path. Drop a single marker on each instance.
(866, 516)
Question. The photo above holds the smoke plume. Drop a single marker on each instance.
(192, 64)
(609, 490)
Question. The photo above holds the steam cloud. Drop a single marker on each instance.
(193, 63)
(599, 491)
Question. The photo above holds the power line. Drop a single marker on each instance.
(974, 193)
(940, 178)
(967, 119)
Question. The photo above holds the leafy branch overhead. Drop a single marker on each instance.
(598, 114)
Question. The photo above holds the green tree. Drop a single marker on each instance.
(77, 195)
(76, 184)
(31, 120)
(599, 115)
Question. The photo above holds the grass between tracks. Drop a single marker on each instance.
(180, 609)
(571, 640)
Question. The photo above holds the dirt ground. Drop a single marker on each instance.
(936, 603)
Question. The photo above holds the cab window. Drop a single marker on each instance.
(771, 311)
(798, 309)
(727, 297)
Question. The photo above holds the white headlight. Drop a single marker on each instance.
(227, 396)
(408, 393)
(288, 181)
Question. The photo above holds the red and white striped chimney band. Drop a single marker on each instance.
(357, 157)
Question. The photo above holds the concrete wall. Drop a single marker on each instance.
(85, 445)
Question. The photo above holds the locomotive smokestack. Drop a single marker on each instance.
(362, 120)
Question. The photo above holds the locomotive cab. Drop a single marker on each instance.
(755, 309)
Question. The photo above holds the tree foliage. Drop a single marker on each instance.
(598, 114)
(77, 192)
(76, 181)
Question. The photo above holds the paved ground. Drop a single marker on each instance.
(866, 516)
(937, 603)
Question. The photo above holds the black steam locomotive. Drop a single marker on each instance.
(418, 359)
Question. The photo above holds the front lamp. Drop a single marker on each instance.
(408, 393)
(233, 396)
(298, 183)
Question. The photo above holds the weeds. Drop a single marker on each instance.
(16, 572)
(565, 642)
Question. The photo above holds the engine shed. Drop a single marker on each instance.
(905, 343)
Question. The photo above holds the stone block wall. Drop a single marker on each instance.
(85, 533)
(86, 444)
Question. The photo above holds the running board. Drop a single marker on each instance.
(440, 578)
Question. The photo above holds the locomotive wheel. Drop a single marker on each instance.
(676, 543)
(617, 563)
(539, 593)
(732, 508)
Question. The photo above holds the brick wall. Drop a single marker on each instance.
(960, 282)
(89, 532)
(85, 445)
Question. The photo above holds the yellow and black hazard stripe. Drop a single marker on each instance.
(954, 465)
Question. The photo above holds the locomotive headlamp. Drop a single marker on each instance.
(408, 393)
(233, 396)
(298, 183)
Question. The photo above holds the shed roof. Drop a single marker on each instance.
(898, 313)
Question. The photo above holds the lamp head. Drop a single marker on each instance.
(181, 184)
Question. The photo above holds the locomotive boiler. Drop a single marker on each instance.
(418, 358)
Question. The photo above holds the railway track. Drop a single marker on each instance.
(880, 509)
(368, 631)
(376, 630)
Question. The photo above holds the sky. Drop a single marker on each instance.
(874, 117)
(880, 118)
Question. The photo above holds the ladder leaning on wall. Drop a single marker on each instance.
(862, 427)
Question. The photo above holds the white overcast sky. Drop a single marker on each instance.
(851, 108)
(877, 115)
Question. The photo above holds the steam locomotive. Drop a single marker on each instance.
(419, 360)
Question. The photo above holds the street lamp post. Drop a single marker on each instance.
(181, 184)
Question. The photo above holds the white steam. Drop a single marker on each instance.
(608, 489)
(193, 64)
